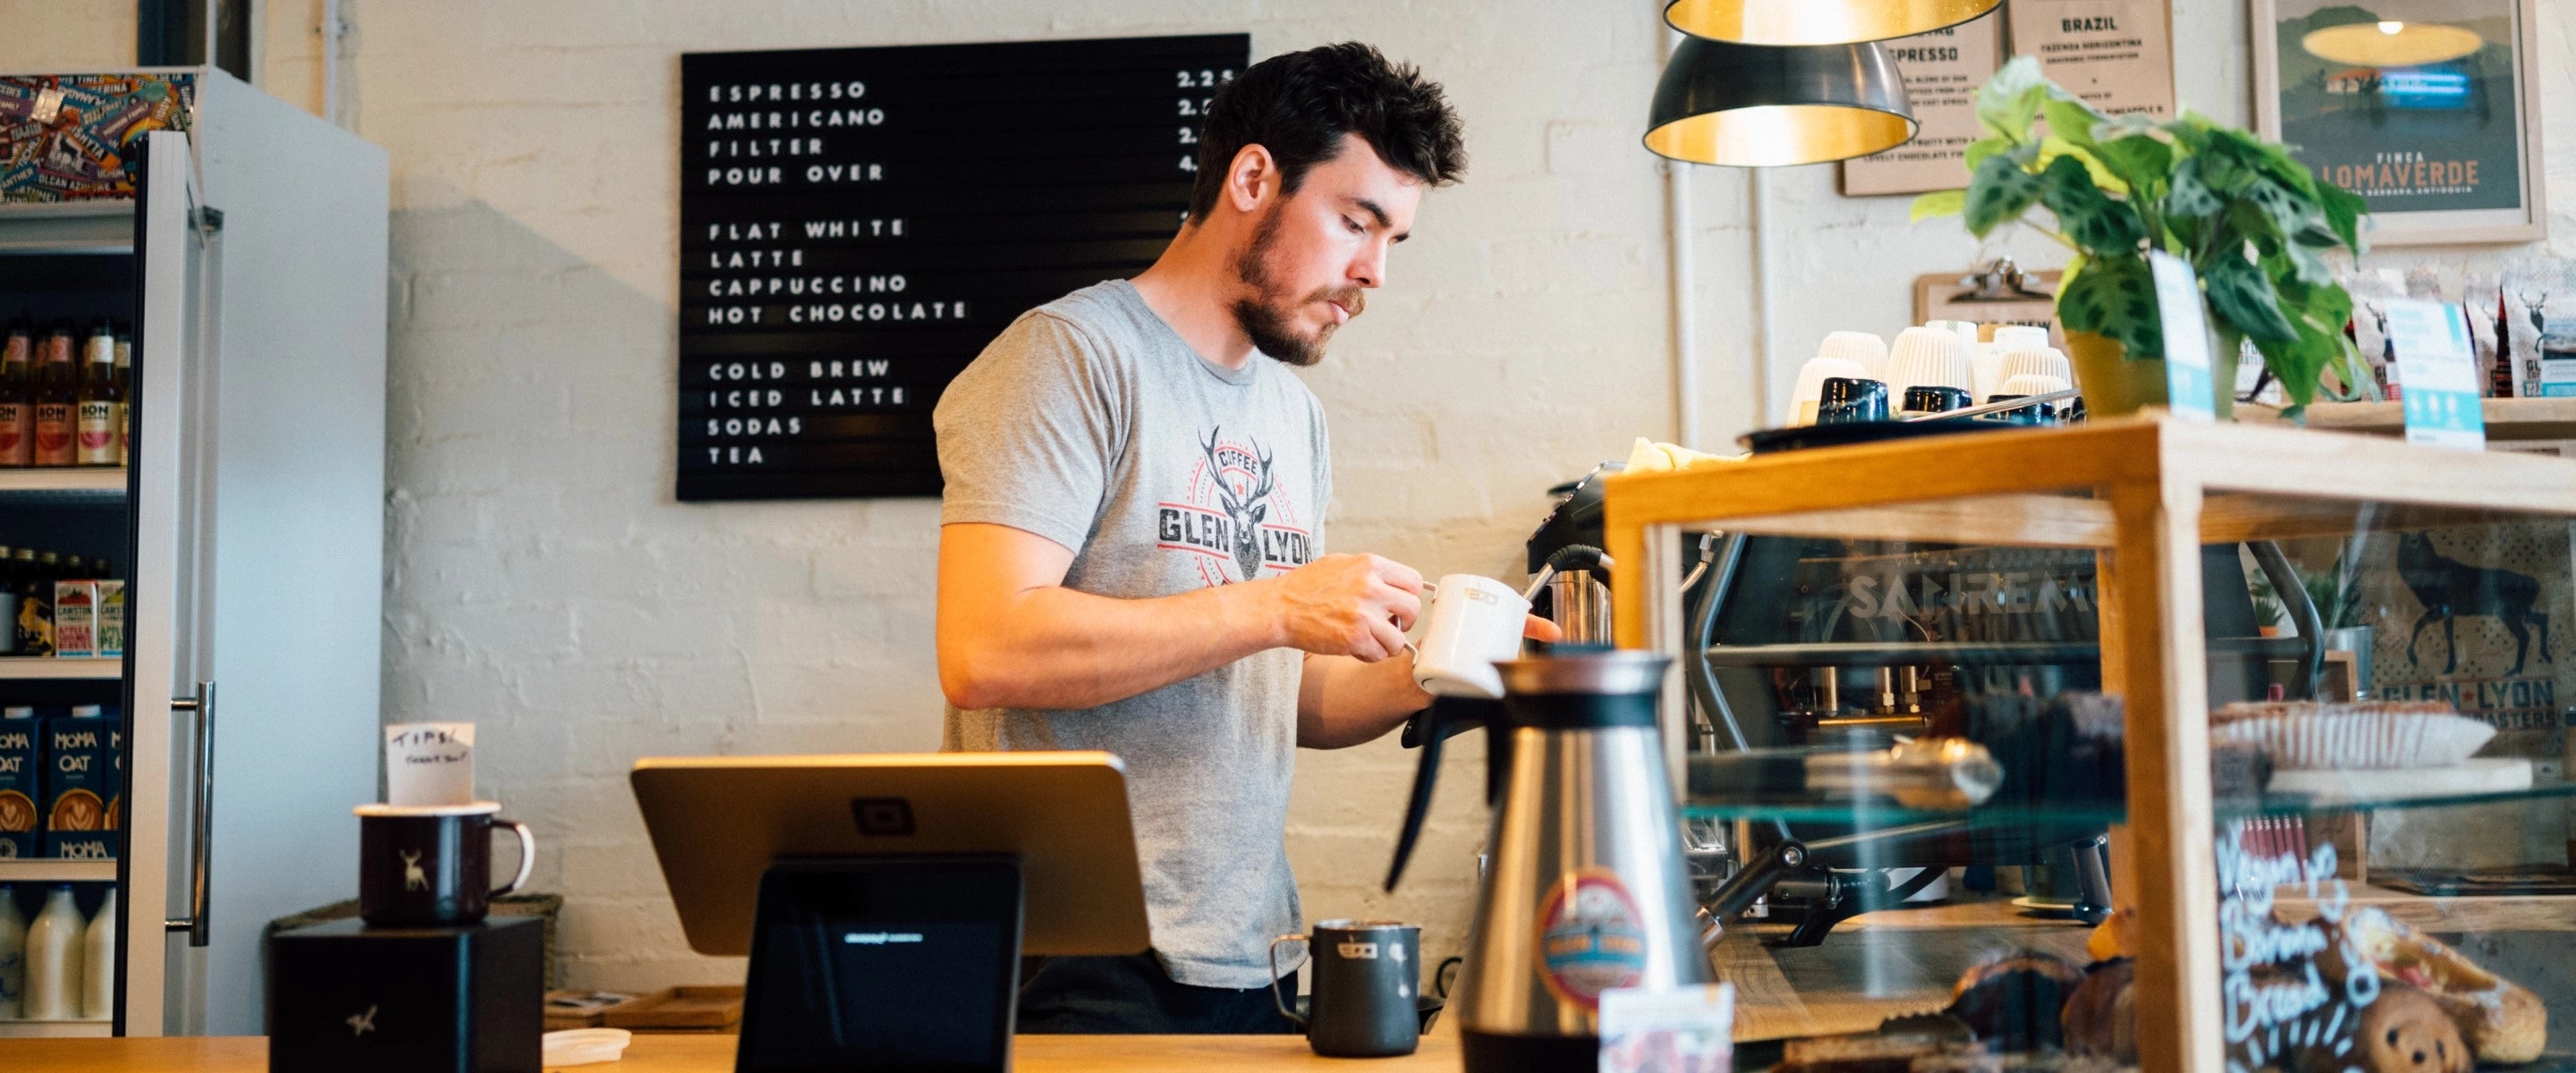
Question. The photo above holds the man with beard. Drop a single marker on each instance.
(1131, 552)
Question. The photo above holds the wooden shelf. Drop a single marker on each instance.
(56, 870)
(56, 1029)
(100, 483)
(102, 668)
(2507, 419)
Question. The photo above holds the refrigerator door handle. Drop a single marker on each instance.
(201, 835)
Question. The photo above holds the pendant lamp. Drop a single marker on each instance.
(2392, 44)
(1818, 22)
(1752, 106)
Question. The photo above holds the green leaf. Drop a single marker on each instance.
(2300, 362)
(2344, 210)
(2306, 266)
(2190, 130)
(1938, 203)
(2115, 297)
(2093, 221)
(2242, 296)
(1998, 193)
(2224, 175)
(2009, 101)
(2271, 161)
(2295, 217)
(2052, 147)
(2124, 126)
(2142, 161)
(2189, 198)
(2069, 117)
(1979, 150)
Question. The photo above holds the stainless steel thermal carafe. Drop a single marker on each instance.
(1587, 889)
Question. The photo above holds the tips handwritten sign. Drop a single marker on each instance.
(429, 764)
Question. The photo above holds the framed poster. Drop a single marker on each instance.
(1942, 70)
(2116, 54)
(2429, 109)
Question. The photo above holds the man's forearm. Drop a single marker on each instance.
(1067, 649)
(1343, 702)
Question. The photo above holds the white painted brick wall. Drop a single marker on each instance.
(544, 584)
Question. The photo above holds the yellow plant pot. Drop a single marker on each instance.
(2115, 386)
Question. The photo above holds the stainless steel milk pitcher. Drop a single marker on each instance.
(1587, 889)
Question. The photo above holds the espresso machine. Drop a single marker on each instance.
(1586, 889)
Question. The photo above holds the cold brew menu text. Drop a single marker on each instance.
(856, 224)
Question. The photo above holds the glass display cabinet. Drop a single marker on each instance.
(2194, 747)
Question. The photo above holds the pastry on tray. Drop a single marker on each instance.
(2014, 1000)
(2403, 1031)
(2503, 1021)
(2101, 1016)
(2365, 736)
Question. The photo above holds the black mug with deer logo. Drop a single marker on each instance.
(431, 865)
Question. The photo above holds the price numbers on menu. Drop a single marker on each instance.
(1192, 107)
(856, 224)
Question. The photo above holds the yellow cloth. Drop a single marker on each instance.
(1651, 457)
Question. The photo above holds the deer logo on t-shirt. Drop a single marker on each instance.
(1245, 510)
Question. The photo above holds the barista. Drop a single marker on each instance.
(1132, 546)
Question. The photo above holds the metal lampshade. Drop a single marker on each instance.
(1818, 22)
(1752, 106)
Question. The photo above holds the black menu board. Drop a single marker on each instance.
(857, 223)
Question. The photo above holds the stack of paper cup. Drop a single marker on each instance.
(2027, 384)
(2037, 361)
(1811, 383)
(2012, 337)
(1986, 368)
(1863, 347)
(1928, 356)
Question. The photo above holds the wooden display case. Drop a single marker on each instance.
(2143, 497)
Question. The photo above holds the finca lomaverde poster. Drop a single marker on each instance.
(2410, 103)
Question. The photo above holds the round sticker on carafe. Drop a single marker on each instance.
(1591, 937)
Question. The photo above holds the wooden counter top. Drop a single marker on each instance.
(714, 1054)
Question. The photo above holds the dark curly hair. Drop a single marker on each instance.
(1299, 104)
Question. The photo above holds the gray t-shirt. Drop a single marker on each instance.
(1091, 423)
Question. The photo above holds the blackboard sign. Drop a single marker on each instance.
(856, 224)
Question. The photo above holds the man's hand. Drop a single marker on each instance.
(1348, 605)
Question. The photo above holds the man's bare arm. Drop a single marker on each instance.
(1010, 635)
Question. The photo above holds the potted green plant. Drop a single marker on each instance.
(2254, 224)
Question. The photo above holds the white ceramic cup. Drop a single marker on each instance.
(1471, 622)
(1927, 356)
(1867, 349)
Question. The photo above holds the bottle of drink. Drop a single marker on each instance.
(13, 956)
(54, 958)
(95, 419)
(124, 395)
(56, 394)
(17, 409)
(35, 605)
(8, 602)
(98, 963)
